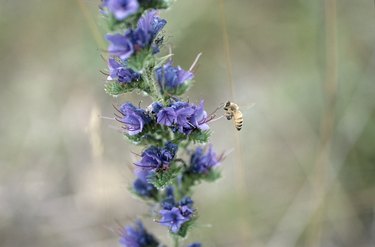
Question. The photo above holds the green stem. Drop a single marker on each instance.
(176, 241)
(151, 84)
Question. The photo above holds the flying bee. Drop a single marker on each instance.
(232, 112)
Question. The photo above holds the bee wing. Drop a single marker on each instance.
(246, 108)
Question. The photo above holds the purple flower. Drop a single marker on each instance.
(183, 111)
(169, 202)
(186, 201)
(182, 117)
(173, 219)
(175, 214)
(144, 188)
(169, 151)
(166, 116)
(138, 38)
(120, 45)
(195, 245)
(171, 78)
(201, 163)
(199, 119)
(137, 236)
(121, 8)
(155, 107)
(151, 24)
(135, 40)
(151, 159)
(154, 158)
(134, 118)
(141, 186)
(120, 73)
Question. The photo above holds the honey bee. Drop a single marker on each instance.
(232, 111)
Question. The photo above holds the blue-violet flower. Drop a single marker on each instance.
(171, 78)
(137, 236)
(154, 158)
(195, 245)
(167, 116)
(118, 72)
(201, 163)
(136, 40)
(141, 186)
(184, 117)
(174, 215)
(134, 118)
(121, 9)
(199, 119)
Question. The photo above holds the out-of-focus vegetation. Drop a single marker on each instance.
(302, 169)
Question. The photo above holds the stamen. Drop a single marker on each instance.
(224, 155)
(118, 116)
(195, 61)
(119, 120)
(136, 154)
(170, 52)
(118, 110)
(217, 108)
(215, 119)
(107, 118)
(181, 161)
(103, 58)
(143, 166)
(207, 119)
(104, 73)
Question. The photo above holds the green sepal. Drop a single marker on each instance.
(115, 25)
(161, 179)
(152, 134)
(183, 88)
(115, 88)
(190, 179)
(185, 227)
(211, 176)
(159, 4)
(198, 136)
(141, 60)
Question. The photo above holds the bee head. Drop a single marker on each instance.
(227, 104)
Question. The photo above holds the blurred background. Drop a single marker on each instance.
(302, 168)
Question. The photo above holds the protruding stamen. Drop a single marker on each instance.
(143, 166)
(118, 110)
(195, 61)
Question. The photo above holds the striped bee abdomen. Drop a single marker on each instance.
(238, 120)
